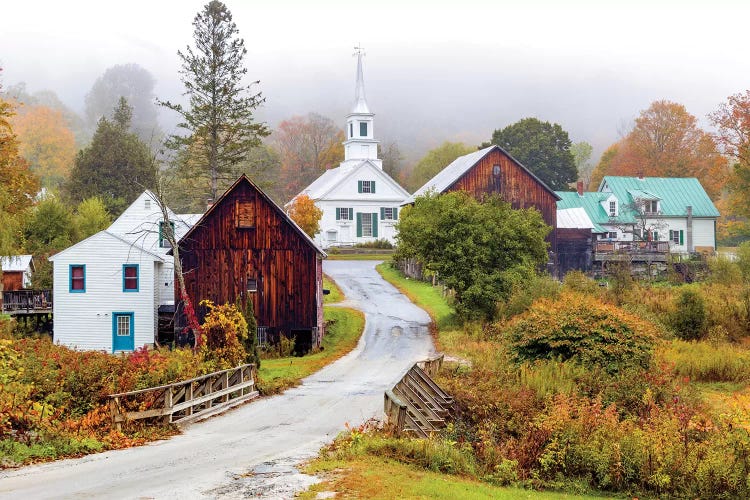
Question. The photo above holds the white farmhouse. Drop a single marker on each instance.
(360, 202)
(109, 287)
(675, 212)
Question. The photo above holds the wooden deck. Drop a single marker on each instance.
(631, 251)
(27, 302)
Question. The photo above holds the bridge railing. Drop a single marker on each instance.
(186, 401)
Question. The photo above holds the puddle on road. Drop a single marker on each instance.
(276, 479)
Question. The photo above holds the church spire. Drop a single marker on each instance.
(360, 143)
(360, 103)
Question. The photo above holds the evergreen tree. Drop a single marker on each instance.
(219, 118)
(116, 166)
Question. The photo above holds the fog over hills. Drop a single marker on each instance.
(434, 71)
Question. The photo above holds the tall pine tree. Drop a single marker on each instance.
(219, 119)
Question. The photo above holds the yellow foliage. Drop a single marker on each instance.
(307, 216)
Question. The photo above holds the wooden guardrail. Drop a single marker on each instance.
(27, 301)
(186, 401)
(416, 404)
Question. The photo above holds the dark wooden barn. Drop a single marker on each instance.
(245, 246)
(493, 171)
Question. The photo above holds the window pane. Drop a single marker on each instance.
(123, 326)
(367, 225)
(77, 281)
(363, 129)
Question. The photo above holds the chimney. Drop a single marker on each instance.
(209, 204)
(689, 211)
(579, 186)
(640, 176)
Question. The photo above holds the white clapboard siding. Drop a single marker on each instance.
(84, 320)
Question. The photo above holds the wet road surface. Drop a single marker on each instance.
(251, 451)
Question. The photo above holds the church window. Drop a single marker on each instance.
(365, 186)
(351, 130)
(363, 129)
(344, 213)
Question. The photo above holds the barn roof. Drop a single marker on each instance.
(278, 209)
(15, 263)
(453, 172)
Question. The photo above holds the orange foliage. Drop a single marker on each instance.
(46, 142)
(307, 216)
(666, 142)
(18, 184)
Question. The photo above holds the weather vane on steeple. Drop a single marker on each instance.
(359, 50)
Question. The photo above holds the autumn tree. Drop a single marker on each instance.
(116, 166)
(219, 122)
(306, 214)
(136, 85)
(393, 160)
(434, 161)
(666, 141)
(542, 147)
(46, 142)
(604, 166)
(732, 119)
(18, 185)
(308, 146)
(582, 157)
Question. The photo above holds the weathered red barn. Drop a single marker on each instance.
(246, 246)
(493, 171)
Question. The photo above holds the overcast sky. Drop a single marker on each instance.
(434, 70)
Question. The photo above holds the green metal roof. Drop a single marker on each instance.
(590, 202)
(674, 194)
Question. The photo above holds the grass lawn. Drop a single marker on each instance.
(342, 334)
(336, 294)
(428, 297)
(373, 477)
(359, 256)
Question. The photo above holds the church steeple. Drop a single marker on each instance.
(360, 103)
(360, 143)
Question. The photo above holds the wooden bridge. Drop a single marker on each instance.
(186, 401)
(27, 302)
(417, 405)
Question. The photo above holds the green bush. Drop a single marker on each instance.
(689, 318)
(580, 328)
(524, 295)
(382, 244)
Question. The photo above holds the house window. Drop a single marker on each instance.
(123, 325)
(77, 278)
(147, 203)
(652, 206)
(130, 277)
(343, 213)
(612, 235)
(367, 225)
(612, 208)
(363, 129)
(389, 213)
(245, 214)
(676, 237)
(365, 186)
(163, 240)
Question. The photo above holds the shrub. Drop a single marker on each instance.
(689, 319)
(524, 295)
(225, 330)
(382, 244)
(582, 329)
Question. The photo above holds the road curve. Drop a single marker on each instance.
(223, 455)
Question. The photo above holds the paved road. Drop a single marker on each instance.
(233, 454)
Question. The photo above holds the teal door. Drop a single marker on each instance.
(123, 338)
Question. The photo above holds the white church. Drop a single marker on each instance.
(360, 202)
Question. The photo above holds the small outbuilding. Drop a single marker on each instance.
(16, 271)
(245, 247)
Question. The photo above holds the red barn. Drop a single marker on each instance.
(493, 171)
(246, 246)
